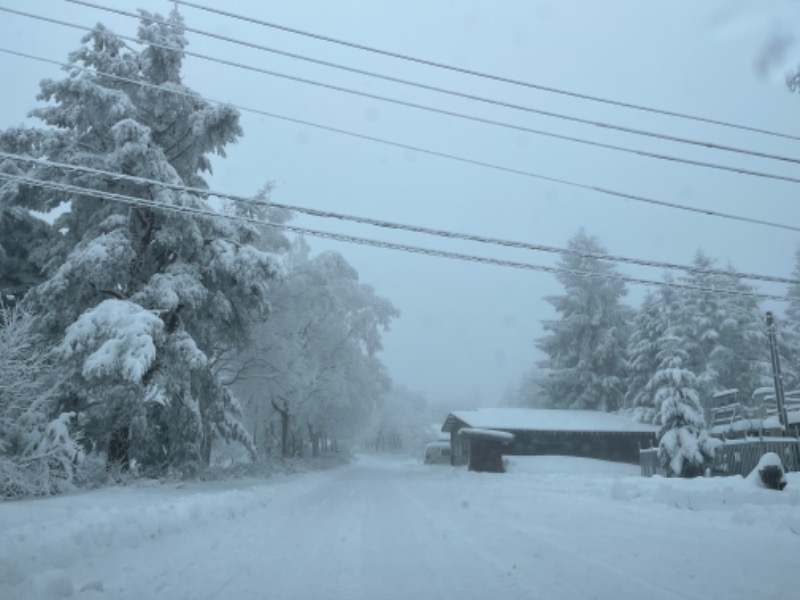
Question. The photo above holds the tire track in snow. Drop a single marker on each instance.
(396, 531)
(555, 562)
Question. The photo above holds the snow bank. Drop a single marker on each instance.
(569, 465)
(45, 537)
(568, 475)
(727, 498)
(769, 461)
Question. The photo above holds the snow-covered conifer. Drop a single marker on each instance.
(649, 325)
(723, 333)
(586, 347)
(789, 332)
(684, 445)
(150, 299)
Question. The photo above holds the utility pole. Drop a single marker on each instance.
(776, 372)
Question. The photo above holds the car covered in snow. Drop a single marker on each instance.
(437, 453)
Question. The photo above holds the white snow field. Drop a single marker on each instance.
(384, 528)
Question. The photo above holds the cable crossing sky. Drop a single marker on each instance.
(130, 200)
(393, 225)
(491, 76)
(485, 121)
(594, 123)
(426, 151)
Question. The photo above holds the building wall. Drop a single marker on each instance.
(613, 446)
(459, 449)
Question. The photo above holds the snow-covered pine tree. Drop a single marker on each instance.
(23, 242)
(649, 325)
(699, 316)
(740, 358)
(684, 445)
(789, 332)
(148, 298)
(24, 238)
(586, 347)
(722, 332)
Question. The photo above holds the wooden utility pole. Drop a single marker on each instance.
(776, 372)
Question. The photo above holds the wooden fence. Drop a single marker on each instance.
(735, 457)
(648, 460)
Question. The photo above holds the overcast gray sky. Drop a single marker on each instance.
(467, 331)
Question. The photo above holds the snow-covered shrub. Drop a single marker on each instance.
(51, 462)
(38, 454)
(94, 471)
(49, 465)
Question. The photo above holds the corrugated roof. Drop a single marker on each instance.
(533, 419)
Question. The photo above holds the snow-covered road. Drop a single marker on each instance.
(383, 528)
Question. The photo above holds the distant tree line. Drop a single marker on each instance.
(662, 362)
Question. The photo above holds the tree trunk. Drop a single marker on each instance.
(269, 435)
(206, 430)
(205, 448)
(297, 443)
(119, 448)
(255, 428)
(314, 436)
(284, 413)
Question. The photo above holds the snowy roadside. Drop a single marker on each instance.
(728, 501)
(54, 545)
(54, 533)
(734, 499)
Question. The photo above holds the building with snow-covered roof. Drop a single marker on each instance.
(586, 433)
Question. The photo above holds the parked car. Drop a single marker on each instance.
(437, 453)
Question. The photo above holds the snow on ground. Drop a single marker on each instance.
(736, 499)
(43, 538)
(551, 527)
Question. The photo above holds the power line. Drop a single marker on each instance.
(441, 90)
(644, 153)
(129, 200)
(390, 224)
(444, 155)
(483, 74)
